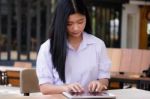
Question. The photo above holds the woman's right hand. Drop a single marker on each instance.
(74, 87)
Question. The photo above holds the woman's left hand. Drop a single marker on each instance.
(96, 86)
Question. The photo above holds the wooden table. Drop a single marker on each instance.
(13, 74)
(35, 97)
(131, 93)
(140, 82)
(14, 93)
(10, 68)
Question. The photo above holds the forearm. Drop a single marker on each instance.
(52, 89)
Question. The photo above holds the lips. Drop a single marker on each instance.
(75, 33)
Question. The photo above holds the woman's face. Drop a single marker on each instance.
(76, 24)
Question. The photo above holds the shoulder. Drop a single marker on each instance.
(46, 43)
(45, 46)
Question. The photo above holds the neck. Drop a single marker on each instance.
(75, 42)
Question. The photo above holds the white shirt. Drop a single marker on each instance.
(89, 62)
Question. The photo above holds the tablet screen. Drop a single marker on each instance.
(101, 95)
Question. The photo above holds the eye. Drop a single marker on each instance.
(81, 22)
(69, 24)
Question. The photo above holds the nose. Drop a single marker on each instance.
(75, 27)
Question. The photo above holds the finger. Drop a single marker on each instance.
(73, 89)
(90, 87)
(102, 87)
(97, 88)
(105, 87)
(77, 88)
(94, 87)
(80, 87)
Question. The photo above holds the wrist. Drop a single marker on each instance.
(65, 88)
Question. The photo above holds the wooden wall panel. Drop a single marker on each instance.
(143, 38)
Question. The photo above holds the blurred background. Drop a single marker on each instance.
(24, 25)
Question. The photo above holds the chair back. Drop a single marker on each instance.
(28, 82)
(116, 59)
(23, 64)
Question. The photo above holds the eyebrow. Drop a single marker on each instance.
(81, 19)
(77, 20)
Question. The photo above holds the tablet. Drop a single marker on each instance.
(101, 95)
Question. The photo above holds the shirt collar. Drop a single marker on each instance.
(87, 40)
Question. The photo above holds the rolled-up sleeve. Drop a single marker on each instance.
(44, 65)
(104, 62)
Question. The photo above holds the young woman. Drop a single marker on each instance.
(72, 59)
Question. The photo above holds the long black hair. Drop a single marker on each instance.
(58, 31)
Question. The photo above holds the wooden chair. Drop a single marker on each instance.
(109, 51)
(23, 64)
(145, 61)
(116, 59)
(125, 60)
(28, 82)
(136, 58)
